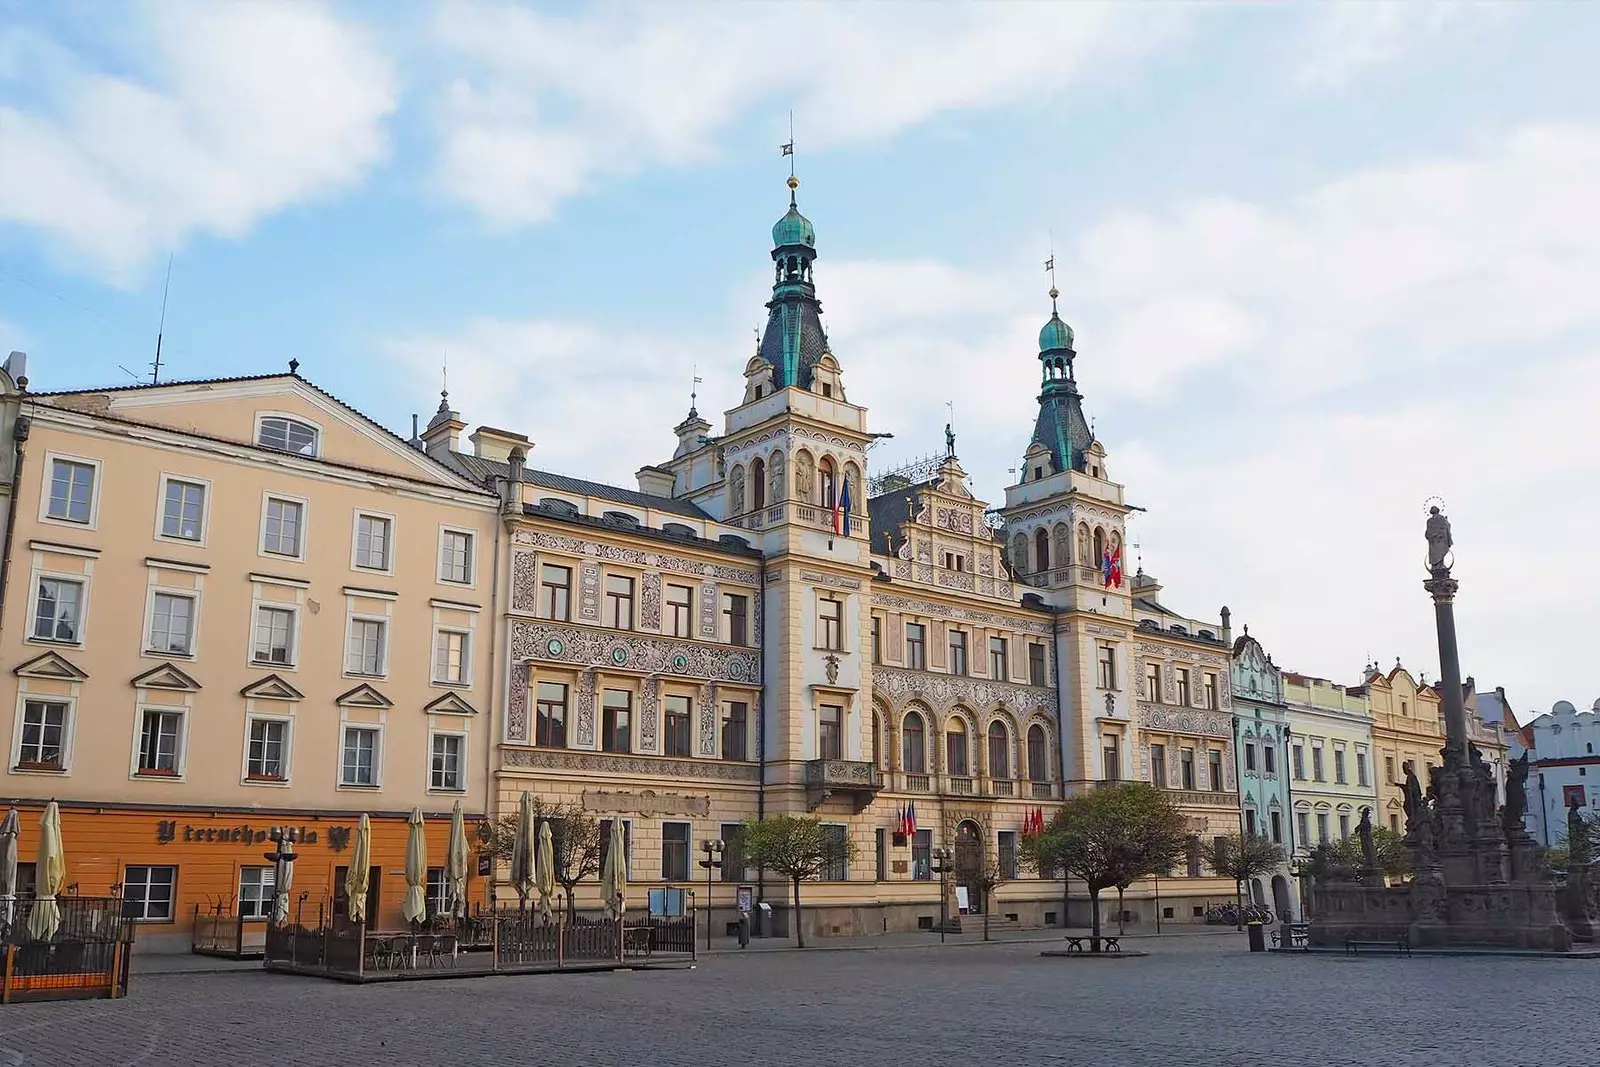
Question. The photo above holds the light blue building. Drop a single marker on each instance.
(1261, 731)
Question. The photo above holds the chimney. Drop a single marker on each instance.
(1227, 626)
(511, 491)
(497, 445)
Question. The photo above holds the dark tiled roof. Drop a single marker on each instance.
(482, 470)
(888, 513)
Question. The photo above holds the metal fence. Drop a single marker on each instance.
(87, 956)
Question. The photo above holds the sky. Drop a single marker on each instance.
(1326, 263)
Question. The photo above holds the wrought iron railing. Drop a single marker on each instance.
(87, 955)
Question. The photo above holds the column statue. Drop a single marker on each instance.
(1439, 541)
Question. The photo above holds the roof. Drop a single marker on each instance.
(484, 470)
(1061, 427)
(889, 512)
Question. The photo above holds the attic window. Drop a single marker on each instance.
(621, 518)
(288, 435)
(678, 529)
(758, 392)
(556, 505)
(1095, 470)
(1038, 472)
(827, 390)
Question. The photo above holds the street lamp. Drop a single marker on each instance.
(712, 862)
(942, 867)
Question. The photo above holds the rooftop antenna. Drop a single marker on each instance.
(155, 366)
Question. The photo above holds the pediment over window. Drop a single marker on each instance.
(272, 687)
(52, 665)
(449, 704)
(363, 696)
(165, 676)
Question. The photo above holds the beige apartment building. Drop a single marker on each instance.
(232, 605)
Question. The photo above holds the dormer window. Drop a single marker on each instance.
(1038, 472)
(827, 390)
(758, 392)
(288, 435)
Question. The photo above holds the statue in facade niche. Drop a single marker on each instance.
(1085, 557)
(803, 469)
(1439, 540)
(736, 490)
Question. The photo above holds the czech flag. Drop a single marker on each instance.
(1111, 568)
(841, 511)
(911, 819)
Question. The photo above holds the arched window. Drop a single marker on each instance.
(914, 746)
(999, 751)
(1099, 546)
(288, 435)
(877, 740)
(955, 748)
(1041, 550)
(758, 484)
(827, 481)
(1038, 754)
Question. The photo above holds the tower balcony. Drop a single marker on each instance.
(858, 778)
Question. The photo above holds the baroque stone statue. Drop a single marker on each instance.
(803, 468)
(1577, 835)
(736, 491)
(1369, 851)
(775, 473)
(1415, 805)
(1439, 540)
(1516, 794)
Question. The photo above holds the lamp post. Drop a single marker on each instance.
(712, 862)
(941, 866)
(280, 857)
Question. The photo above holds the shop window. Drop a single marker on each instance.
(147, 893)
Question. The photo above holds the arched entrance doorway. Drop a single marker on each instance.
(969, 865)
(1281, 901)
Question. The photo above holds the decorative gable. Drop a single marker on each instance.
(449, 704)
(363, 696)
(52, 665)
(272, 687)
(165, 676)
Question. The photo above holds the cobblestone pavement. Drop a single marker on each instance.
(1192, 1001)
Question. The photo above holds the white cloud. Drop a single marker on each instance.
(542, 107)
(242, 108)
(1344, 40)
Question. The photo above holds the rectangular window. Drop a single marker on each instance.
(835, 868)
(736, 730)
(1344, 827)
(1316, 764)
(283, 529)
(1111, 759)
(372, 542)
(1269, 757)
(1108, 667)
(1185, 697)
(680, 606)
(1322, 828)
(445, 766)
(1186, 767)
(269, 750)
(1302, 823)
(183, 510)
(455, 557)
(1158, 766)
(616, 723)
(679, 714)
(1338, 766)
(618, 613)
(675, 852)
(364, 655)
(71, 491)
(830, 623)
(44, 735)
(830, 732)
(877, 639)
(159, 732)
(1361, 767)
(1250, 822)
(922, 856)
(450, 657)
(1008, 855)
(1192, 857)
(438, 892)
(1249, 756)
(1388, 769)
(1209, 692)
(1214, 770)
(955, 751)
(358, 764)
(172, 624)
(880, 854)
(255, 892)
(734, 868)
(550, 730)
(1152, 682)
(1036, 669)
(555, 592)
(958, 652)
(998, 669)
(916, 646)
(58, 611)
(1299, 763)
(1276, 819)
(274, 636)
(147, 892)
(736, 609)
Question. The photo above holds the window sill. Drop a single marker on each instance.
(265, 779)
(38, 768)
(359, 787)
(144, 772)
(442, 684)
(456, 791)
(53, 641)
(367, 677)
(168, 655)
(267, 553)
(272, 665)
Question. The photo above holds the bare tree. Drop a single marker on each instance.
(576, 839)
(1241, 857)
(797, 848)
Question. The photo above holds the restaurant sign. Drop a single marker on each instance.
(167, 831)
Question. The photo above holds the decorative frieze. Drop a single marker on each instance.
(837, 581)
(644, 558)
(976, 616)
(609, 763)
(650, 601)
(518, 729)
(524, 581)
(1197, 721)
(604, 650)
(645, 802)
(589, 592)
(944, 691)
(957, 520)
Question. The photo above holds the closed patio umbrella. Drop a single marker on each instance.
(524, 850)
(356, 879)
(415, 908)
(282, 883)
(547, 870)
(50, 874)
(9, 829)
(455, 863)
(614, 875)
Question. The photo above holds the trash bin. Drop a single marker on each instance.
(1254, 931)
(744, 929)
(765, 917)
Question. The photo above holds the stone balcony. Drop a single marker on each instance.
(857, 778)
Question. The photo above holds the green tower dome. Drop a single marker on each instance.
(1056, 334)
(794, 228)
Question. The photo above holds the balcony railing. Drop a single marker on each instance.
(960, 786)
(860, 779)
(1002, 787)
(1204, 798)
(918, 783)
(1043, 790)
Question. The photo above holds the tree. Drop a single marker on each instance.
(797, 848)
(1106, 837)
(1241, 857)
(984, 876)
(576, 841)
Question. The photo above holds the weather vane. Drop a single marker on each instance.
(788, 146)
(694, 386)
(1050, 266)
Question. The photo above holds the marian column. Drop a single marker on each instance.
(1443, 587)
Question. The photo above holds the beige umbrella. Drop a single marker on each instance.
(614, 875)
(356, 879)
(283, 881)
(547, 869)
(455, 863)
(9, 829)
(524, 850)
(50, 874)
(415, 908)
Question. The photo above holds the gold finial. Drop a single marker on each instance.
(1054, 292)
(794, 183)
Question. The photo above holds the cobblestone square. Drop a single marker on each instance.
(1192, 1001)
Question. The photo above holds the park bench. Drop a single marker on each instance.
(1400, 946)
(1293, 935)
(1112, 943)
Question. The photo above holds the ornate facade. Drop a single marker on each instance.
(1261, 724)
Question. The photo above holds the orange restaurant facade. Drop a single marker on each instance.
(231, 606)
